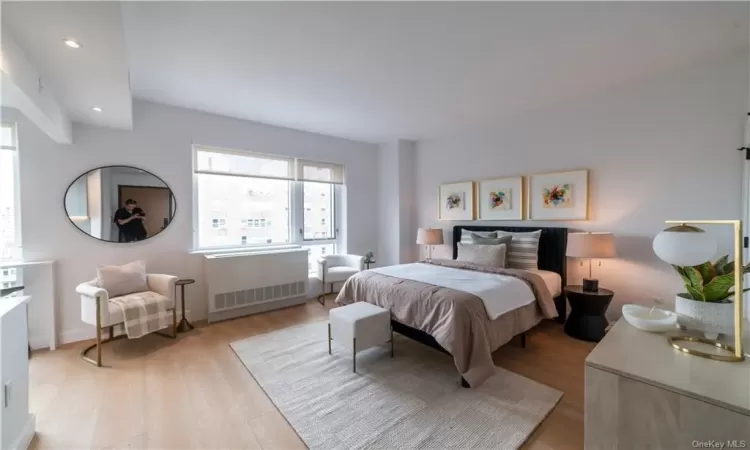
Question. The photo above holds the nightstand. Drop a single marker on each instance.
(586, 320)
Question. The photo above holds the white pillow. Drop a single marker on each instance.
(122, 280)
(483, 255)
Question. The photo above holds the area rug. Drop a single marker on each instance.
(411, 401)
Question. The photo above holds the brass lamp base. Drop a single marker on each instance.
(674, 342)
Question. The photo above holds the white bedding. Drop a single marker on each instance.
(499, 293)
(553, 280)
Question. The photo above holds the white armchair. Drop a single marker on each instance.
(97, 310)
(337, 269)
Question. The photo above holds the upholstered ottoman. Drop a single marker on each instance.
(359, 326)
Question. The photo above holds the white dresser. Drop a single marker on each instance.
(16, 424)
(643, 394)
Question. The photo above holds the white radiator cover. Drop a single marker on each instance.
(246, 283)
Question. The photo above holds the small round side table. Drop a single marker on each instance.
(586, 320)
(367, 264)
(184, 325)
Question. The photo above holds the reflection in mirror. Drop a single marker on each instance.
(120, 204)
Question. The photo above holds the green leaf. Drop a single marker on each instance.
(728, 268)
(707, 271)
(696, 280)
(695, 293)
(720, 263)
(718, 288)
(681, 271)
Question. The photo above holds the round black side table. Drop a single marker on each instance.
(367, 264)
(586, 320)
(184, 325)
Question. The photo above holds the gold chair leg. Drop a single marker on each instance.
(98, 344)
(173, 335)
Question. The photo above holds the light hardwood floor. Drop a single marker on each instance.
(194, 392)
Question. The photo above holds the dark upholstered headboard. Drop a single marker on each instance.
(552, 246)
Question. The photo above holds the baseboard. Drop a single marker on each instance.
(27, 434)
(255, 309)
(78, 334)
(39, 342)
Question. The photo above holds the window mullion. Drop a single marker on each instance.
(296, 212)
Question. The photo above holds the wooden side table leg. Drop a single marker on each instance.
(184, 325)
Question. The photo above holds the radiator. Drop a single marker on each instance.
(246, 283)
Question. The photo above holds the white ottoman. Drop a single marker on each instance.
(359, 326)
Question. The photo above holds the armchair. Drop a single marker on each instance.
(337, 269)
(98, 310)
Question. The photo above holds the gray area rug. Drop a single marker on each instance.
(411, 401)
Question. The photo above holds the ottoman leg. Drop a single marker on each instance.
(354, 355)
(329, 338)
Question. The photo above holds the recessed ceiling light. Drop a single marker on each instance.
(72, 43)
(97, 109)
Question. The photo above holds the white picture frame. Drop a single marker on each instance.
(560, 195)
(500, 198)
(456, 201)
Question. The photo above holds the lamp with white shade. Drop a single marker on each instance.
(591, 245)
(687, 245)
(430, 237)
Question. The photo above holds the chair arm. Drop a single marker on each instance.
(322, 269)
(89, 290)
(355, 261)
(91, 296)
(162, 284)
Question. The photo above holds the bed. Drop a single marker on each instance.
(456, 318)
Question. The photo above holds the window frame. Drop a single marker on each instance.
(296, 207)
(17, 250)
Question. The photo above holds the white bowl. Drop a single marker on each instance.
(649, 319)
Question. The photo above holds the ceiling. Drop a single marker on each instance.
(367, 71)
(96, 75)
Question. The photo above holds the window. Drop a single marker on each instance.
(265, 200)
(318, 218)
(10, 214)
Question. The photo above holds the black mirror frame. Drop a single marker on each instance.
(173, 200)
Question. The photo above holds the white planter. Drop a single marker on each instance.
(710, 318)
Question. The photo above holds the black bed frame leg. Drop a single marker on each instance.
(464, 384)
(523, 340)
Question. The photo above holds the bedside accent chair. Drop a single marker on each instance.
(337, 269)
(98, 310)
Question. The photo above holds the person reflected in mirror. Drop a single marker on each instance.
(129, 221)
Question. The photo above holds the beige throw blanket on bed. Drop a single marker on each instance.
(144, 312)
(456, 319)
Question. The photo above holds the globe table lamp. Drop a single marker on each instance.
(687, 245)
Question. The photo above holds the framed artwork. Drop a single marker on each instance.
(456, 201)
(500, 199)
(558, 195)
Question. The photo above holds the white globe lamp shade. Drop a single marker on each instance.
(684, 245)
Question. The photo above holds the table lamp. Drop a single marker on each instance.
(430, 237)
(687, 245)
(592, 246)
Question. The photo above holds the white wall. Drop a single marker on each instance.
(397, 231)
(161, 143)
(662, 148)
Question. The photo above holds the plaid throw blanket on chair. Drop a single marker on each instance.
(144, 312)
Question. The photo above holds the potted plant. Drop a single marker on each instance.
(708, 304)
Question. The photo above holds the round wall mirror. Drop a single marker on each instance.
(120, 204)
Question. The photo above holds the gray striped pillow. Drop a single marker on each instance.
(524, 249)
(468, 240)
